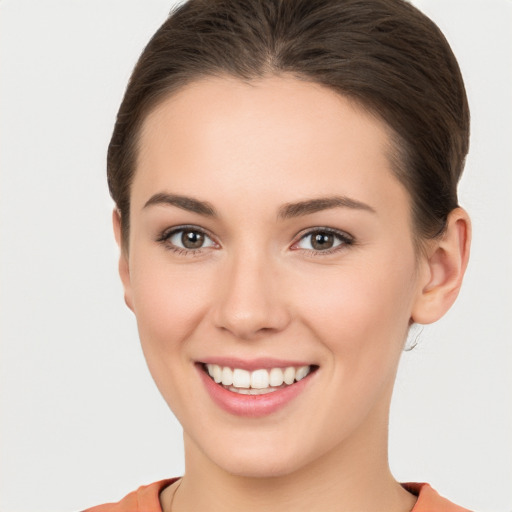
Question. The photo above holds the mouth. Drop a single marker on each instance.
(261, 381)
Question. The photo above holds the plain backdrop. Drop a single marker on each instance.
(81, 421)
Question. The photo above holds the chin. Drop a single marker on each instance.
(258, 462)
(258, 468)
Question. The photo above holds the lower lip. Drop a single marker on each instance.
(252, 406)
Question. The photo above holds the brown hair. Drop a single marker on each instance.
(385, 54)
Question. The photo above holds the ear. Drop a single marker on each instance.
(124, 267)
(444, 267)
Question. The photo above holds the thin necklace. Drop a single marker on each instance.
(174, 494)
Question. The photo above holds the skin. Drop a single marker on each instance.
(259, 289)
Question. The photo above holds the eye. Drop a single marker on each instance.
(322, 240)
(187, 238)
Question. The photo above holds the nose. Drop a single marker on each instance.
(250, 302)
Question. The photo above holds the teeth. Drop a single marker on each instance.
(258, 381)
(241, 378)
(289, 375)
(276, 377)
(217, 374)
(250, 391)
(301, 372)
(227, 376)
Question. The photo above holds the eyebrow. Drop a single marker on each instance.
(291, 210)
(287, 211)
(184, 202)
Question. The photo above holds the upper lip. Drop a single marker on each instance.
(254, 364)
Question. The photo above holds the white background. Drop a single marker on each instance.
(81, 420)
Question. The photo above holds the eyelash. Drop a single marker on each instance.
(165, 237)
(344, 238)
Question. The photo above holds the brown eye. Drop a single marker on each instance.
(192, 239)
(322, 240)
(188, 239)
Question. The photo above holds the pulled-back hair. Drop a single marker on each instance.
(385, 54)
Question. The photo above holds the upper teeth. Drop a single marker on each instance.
(258, 379)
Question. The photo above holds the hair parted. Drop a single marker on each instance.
(385, 54)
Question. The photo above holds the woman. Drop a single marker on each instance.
(285, 179)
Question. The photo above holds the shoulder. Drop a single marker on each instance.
(429, 500)
(144, 499)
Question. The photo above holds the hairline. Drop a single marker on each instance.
(396, 152)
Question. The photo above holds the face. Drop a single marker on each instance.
(268, 232)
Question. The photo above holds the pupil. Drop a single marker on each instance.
(322, 241)
(192, 239)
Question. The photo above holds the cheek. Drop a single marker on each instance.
(168, 303)
(362, 309)
(361, 318)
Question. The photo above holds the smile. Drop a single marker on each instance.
(258, 388)
(257, 382)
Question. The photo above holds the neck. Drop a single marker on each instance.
(353, 476)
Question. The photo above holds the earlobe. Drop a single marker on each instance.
(124, 267)
(445, 267)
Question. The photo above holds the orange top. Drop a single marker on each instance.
(146, 499)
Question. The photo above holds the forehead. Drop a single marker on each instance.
(273, 136)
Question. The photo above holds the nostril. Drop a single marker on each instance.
(252, 322)
(249, 302)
